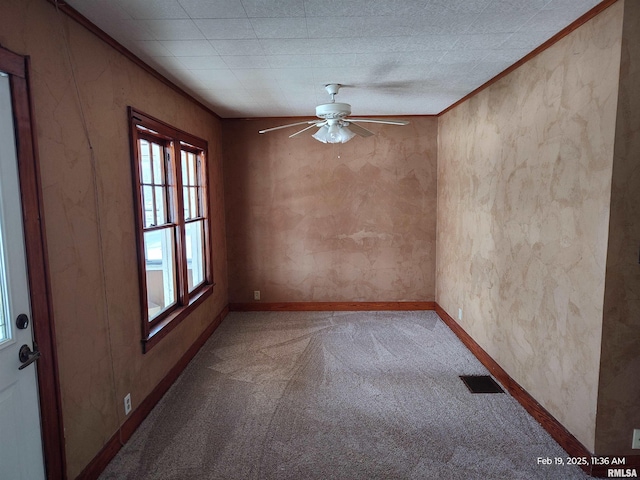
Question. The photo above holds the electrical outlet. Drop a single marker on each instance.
(256, 294)
(127, 404)
(459, 313)
(636, 438)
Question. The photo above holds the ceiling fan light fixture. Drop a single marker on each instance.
(321, 134)
(346, 134)
(333, 133)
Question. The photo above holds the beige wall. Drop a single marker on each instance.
(619, 392)
(524, 183)
(90, 311)
(308, 221)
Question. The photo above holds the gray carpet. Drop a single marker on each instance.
(335, 395)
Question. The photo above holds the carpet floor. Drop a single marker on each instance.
(335, 395)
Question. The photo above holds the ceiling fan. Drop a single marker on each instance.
(335, 125)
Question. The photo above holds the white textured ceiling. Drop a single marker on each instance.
(267, 58)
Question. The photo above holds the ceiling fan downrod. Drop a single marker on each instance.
(332, 89)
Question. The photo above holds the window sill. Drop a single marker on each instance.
(159, 331)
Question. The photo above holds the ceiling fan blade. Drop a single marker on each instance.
(376, 120)
(319, 124)
(358, 130)
(287, 126)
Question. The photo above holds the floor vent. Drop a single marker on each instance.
(481, 384)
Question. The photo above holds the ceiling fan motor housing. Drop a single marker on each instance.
(333, 110)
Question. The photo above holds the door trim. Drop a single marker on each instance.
(17, 66)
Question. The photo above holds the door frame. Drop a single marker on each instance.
(17, 67)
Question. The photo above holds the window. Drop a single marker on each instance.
(171, 196)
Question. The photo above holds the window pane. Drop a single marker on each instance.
(161, 202)
(185, 199)
(191, 209)
(199, 189)
(195, 253)
(147, 202)
(159, 252)
(192, 169)
(193, 201)
(185, 176)
(145, 162)
(158, 177)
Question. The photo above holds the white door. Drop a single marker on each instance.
(21, 456)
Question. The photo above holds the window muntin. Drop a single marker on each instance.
(173, 234)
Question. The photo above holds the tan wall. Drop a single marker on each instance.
(524, 176)
(84, 324)
(308, 221)
(619, 392)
